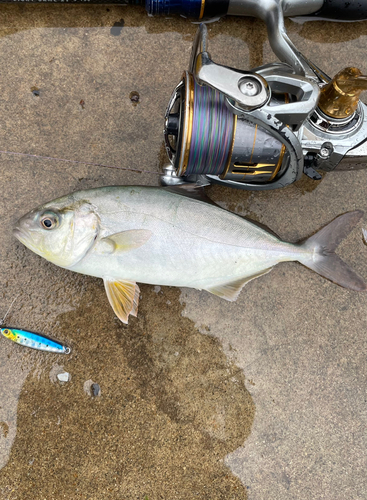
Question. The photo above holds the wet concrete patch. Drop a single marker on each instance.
(12, 376)
(117, 27)
(170, 409)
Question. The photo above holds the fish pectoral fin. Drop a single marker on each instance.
(123, 297)
(230, 291)
(123, 242)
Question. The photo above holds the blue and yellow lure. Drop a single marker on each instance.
(31, 339)
(34, 340)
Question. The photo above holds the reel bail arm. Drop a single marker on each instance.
(247, 89)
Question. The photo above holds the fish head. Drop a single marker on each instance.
(61, 231)
(8, 333)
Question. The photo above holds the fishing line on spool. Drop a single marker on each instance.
(212, 132)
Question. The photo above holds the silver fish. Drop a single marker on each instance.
(130, 234)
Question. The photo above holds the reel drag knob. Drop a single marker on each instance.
(340, 97)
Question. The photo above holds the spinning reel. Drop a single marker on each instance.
(262, 129)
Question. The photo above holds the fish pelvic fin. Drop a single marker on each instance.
(230, 291)
(123, 297)
(324, 261)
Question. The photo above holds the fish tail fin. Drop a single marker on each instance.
(323, 259)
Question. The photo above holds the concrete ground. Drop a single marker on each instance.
(199, 398)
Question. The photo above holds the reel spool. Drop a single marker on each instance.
(203, 136)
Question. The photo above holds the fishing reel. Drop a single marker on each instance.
(262, 129)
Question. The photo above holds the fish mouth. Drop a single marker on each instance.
(25, 237)
(18, 233)
(21, 235)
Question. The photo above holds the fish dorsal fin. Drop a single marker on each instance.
(123, 297)
(123, 242)
(230, 291)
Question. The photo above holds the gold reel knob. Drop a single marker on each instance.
(340, 97)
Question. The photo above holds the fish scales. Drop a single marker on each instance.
(188, 246)
(189, 215)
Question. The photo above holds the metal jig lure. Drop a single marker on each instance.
(33, 340)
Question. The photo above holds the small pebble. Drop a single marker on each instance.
(36, 91)
(95, 390)
(63, 377)
(134, 97)
(92, 388)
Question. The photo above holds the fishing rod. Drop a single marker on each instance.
(272, 12)
(353, 10)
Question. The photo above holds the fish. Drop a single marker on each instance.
(364, 232)
(34, 340)
(171, 237)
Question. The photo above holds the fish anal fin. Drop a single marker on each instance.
(123, 241)
(230, 291)
(123, 297)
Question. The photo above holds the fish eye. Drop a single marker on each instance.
(49, 221)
